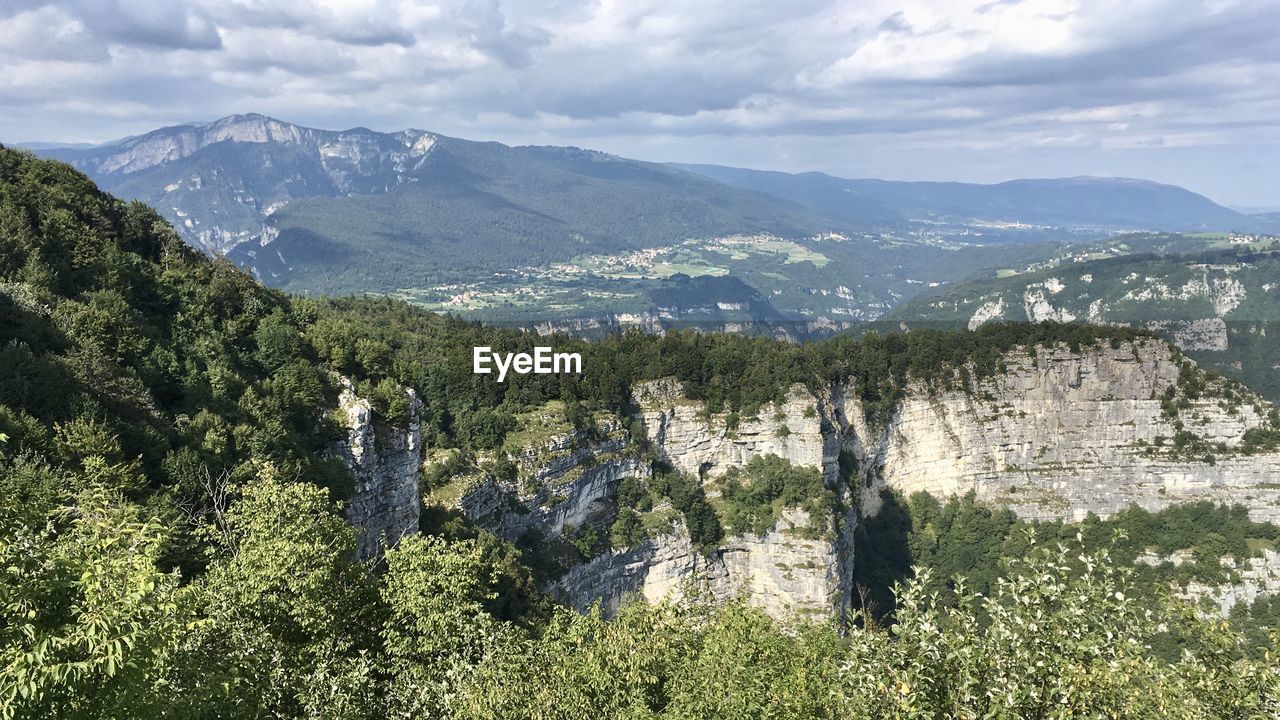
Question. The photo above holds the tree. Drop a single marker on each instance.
(86, 619)
(439, 627)
(288, 617)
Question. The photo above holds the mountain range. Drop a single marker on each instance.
(226, 182)
(566, 238)
(437, 203)
(1103, 202)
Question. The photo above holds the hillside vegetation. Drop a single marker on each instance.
(171, 543)
(1220, 305)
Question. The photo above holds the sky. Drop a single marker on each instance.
(1179, 91)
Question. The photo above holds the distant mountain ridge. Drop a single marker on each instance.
(419, 214)
(1221, 306)
(1104, 202)
(395, 208)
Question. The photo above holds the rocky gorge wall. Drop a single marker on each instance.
(1067, 433)
(570, 481)
(799, 430)
(779, 571)
(385, 467)
(1057, 434)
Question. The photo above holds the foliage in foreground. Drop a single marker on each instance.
(284, 624)
(964, 537)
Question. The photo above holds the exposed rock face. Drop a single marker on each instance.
(1205, 300)
(1202, 334)
(339, 153)
(779, 571)
(568, 483)
(220, 207)
(386, 468)
(1072, 433)
(1253, 578)
(697, 444)
(1057, 436)
(1257, 577)
(581, 500)
(993, 310)
(1038, 307)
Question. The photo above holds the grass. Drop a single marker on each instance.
(451, 493)
(538, 426)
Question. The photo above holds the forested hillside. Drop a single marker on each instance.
(171, 543)
(1219, 306)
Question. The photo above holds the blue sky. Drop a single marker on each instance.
(1179, 91)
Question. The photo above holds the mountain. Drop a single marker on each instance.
(564, 237)
(395, 209)
(1110, 203)
(1221, 307)
(52, 146)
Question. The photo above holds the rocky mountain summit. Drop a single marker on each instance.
(219, 182)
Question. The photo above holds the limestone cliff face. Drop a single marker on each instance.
(1057, 435)
(801, 430)
(583, 498)
(1068, 433)
(571, 481)
(1253, 578)
(778, 571)
(386, 467)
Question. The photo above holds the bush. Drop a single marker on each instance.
(754, 495)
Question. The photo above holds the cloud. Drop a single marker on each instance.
(162, 25)
(933, 82)
(48, 34)
(370, 24)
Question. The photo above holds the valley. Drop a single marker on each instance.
(571, 239)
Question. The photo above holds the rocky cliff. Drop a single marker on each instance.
(385, 465)
(800, 429)
(779, 571)
(1063, 434)
(1250, 579)
(1058, 433)
(568, 483)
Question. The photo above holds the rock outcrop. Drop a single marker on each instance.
(1251, 579)
(1069, 433)
(385, 465)
(800, 430)
(779, 571)
(1059, 433)
(570, 481)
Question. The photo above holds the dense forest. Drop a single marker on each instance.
(172, 545)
